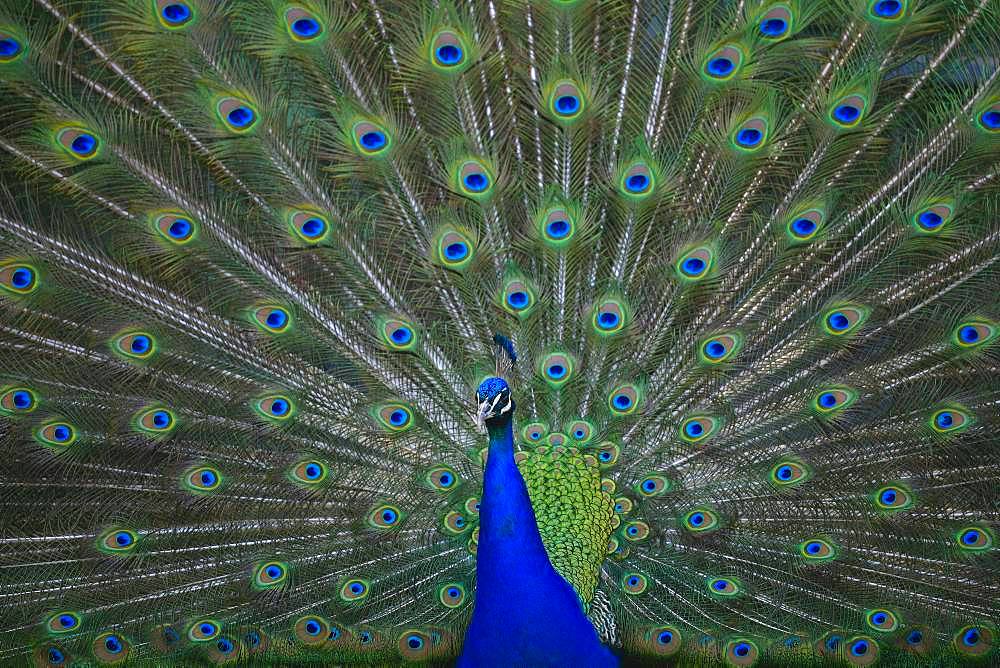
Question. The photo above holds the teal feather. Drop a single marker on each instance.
(736, 262)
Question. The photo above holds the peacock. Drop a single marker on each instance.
(499, 332)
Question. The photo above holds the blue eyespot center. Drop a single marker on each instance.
(398, 417)
(179, 229)
(968, 334)
(557, 229)
(225, 645)
(414, 642)
(312, 627)
(402, 335)
(161, 419)
(633, 581)
(742, 649)
(313, 227)
(991, 119)
(579, 433)
(208, 478)
(61, 433)
(112, 644)
(828, 400)
(694, 429)
(140, 344)
(622, 401)
(389, 516)
(715, 349)
(693, 266)
(944, 419)
(878, 618)
(357, 588)
(276, 319)
(846, 113)
(719, 585)
(648, 485)
(373, 140)
(784, 473)
(459, 522)
(605, 456)
(749, 137)
(22, 277)
(888, 8)
(859, 648)
(476, 182)
(889, 498)
(557, 371)
(832, 643)
(632, 531)
(518, 299)
(279, 407)
(9, 47)
(445, 479)
(67, 621)
(637, 183)
(970, 537)
(608, 320)
(971, 637)
(55, 656)
(915, 637)
(721, 66)
(176, 13)
(665, 638)
(448, 54)
(813, 547)
(313, 471)
(803, 227)
(22, 399)
(123, 539)
(305, 27)
(453, 592)
(697, 519)
(567, 105)
(773, 27)
(838, 321)
(456, 251)
(240, 117)
(84, 144)
(929, 220)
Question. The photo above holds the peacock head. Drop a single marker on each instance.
(496, 407)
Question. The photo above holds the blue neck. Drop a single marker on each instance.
(526, 613)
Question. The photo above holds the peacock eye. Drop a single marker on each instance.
(624, 400)
(203, 479)
(312, 630)
(302, 25)
(698, 428)
(270, 575)
(385, 516)
(310, 472)
(354, 590)
(174, 14)
(634, 583)
(17, 400)
(719, 348)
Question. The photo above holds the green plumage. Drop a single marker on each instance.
(253, 254)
